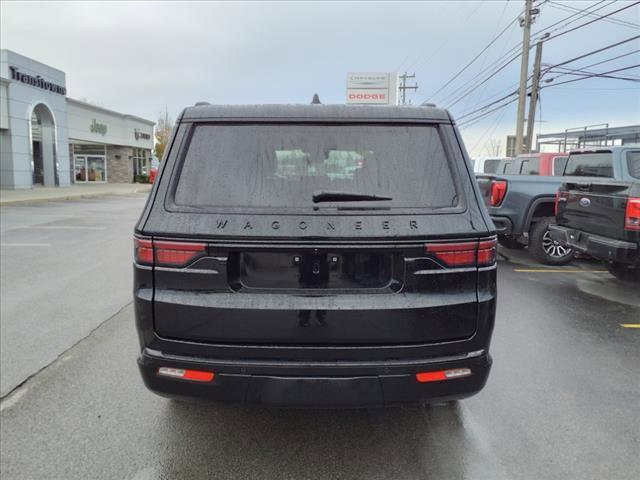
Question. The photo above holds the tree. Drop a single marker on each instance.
(494, 147)
(163, 132)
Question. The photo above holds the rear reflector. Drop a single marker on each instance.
(167, 253)
(195, 375)
(632, 214)
(424, 377)
(464, 254)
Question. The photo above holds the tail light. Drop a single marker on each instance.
(143, 251)
(560, 197)
(498, 191)
(632, 214)
(163, 253)
(464, 254)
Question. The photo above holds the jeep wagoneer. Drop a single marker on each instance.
(315, 255)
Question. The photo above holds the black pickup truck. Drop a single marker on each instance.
(601, 216)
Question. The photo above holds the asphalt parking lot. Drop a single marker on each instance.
(561, 401)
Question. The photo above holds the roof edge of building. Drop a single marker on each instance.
(107, 110)
(35, 61)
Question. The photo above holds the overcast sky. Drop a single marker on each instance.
(140, 57)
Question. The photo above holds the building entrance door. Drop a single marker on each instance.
(90, 168)
(43, 148)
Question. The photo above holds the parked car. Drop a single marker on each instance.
(522, 207)
(154, 169)
(486, 164)
(539, 163)
(600, 215)
(533, 164)
(259, 278)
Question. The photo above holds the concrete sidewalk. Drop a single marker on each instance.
(43, 194)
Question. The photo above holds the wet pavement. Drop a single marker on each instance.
(561, 402)
(65, 268)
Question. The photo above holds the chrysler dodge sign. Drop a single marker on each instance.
(372, 88)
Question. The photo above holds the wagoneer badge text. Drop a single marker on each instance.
(304, 225)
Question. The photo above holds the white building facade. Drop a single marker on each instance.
(47, 138)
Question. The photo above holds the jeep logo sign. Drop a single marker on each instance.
(372, 88)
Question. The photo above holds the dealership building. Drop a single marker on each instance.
(47, 138)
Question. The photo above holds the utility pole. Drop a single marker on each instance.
(524, 69)
(403, 86)
(534, 96)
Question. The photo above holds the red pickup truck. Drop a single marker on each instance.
(545, 164)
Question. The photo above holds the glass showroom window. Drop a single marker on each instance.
(141, 162)
(90, 163)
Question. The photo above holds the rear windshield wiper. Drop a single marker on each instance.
(326, 196)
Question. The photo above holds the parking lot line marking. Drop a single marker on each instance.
(62, 227)
(554, 270)
(630, 325)
(25, 244)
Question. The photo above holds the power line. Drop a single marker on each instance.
(590, 10)
(484, 107)
(617, 21)
(537, 36)
(601, 74)
(468, 87)
(482, 115)
(592, 21)
(435, 51)
(581, 73)
(495, 30)
(495, 39)
(593, 52)
(473, 87)
(486, 79)
(488, 112)
(595, 64)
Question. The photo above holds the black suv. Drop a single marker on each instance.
(315, 255)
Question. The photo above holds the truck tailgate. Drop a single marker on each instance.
(594, 207)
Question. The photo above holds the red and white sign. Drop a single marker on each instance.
(377, 96)
(372, 88)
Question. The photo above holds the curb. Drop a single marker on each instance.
(67, 197)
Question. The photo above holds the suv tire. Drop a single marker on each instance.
(510, 242)
(546, 250)
(624, 272)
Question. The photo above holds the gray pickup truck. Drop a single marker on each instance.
(523, 207)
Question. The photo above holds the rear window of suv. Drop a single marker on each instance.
(597, 164)
(276, 166)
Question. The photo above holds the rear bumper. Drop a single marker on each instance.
(316, 384)
(602, 248)
(504, 226)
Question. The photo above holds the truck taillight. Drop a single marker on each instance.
(464, 254)
(560, 197)
(164, 253)
(498, 191)
(632, 214)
